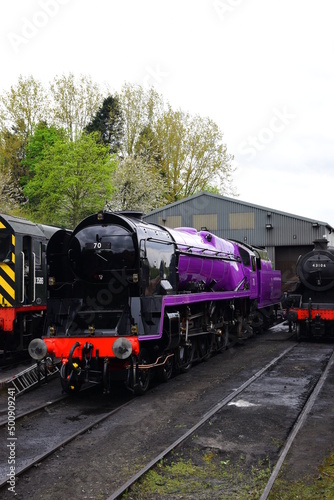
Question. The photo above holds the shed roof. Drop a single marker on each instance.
(239, 202)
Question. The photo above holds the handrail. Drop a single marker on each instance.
(34, 277)
(216, 254)
(22, 295)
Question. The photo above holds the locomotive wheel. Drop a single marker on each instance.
(144, 375)
(205, 347)
(165, 372)
(298, 337)
(70, 384)
(186, 355)
(106, 378)
(300, 331)
(257, 324)
(222, 340)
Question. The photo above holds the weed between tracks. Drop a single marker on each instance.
(314, 488)
(210, 477)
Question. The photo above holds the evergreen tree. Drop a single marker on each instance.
(108, 122)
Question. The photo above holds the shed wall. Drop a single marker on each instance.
(237, 220)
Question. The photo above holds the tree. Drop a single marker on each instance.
(10, 193)
(192, 155)
(44, 137)
(12, 150)
(173, 150)
(74, 103)
(138, 186)
(23, 106)
(108, 122)
(139, 108)
(187, 151)
(147, 146)
(72, 181)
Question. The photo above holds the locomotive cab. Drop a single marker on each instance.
(250, 267)
(22, 281)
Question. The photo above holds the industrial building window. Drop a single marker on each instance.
(171, 221)
(210, 221)
(242, 220)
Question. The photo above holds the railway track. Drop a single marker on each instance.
(28, 412)
(298, 425)
(125, 440)
(13, 360)
(35, 428)
(220, 406)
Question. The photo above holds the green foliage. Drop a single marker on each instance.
(193, 155)
(72, 180)
(164, 155)
(43, 138)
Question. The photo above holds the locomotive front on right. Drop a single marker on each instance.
(312, 303)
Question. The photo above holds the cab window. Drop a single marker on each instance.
(5, 247)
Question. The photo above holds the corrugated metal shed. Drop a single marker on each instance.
(284, 235)
(232, 218)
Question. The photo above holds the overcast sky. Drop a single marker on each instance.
(261, 69)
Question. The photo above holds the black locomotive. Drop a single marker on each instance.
(128, 298)
(312, 302)
(22, 282)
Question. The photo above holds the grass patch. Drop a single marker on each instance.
(318, 487)
(212, 477)
(215, 476)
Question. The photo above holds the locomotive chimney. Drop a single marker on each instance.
(320, 244)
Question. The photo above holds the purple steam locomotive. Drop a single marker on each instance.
(128, 299)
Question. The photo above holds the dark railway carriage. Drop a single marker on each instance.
(312, 301)
(22, 281)
(127, 297)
